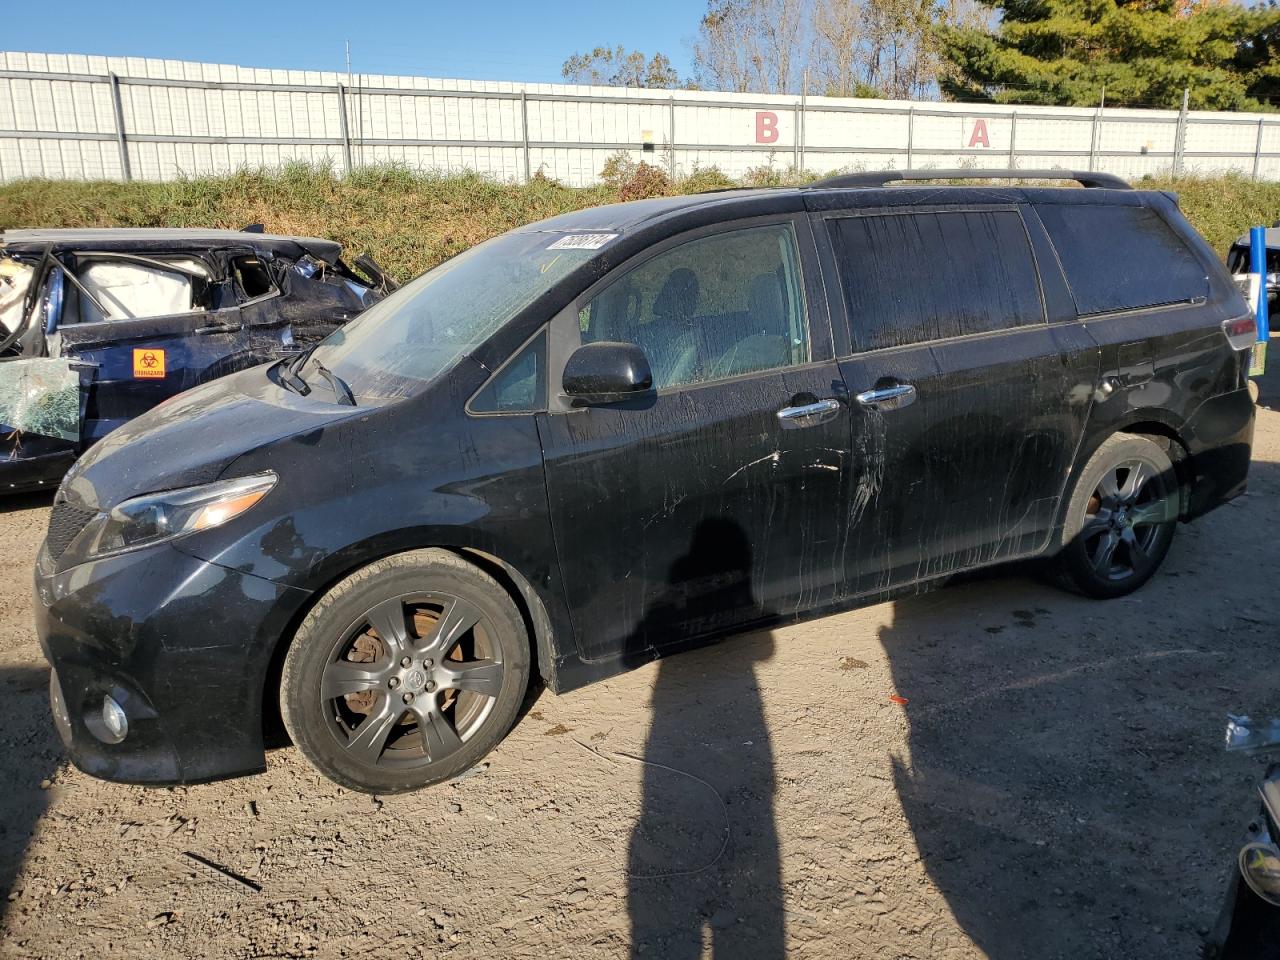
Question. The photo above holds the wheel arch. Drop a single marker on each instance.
(1175, 444)
(532, 608)
(1161, 426)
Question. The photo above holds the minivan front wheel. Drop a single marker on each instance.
(406, 673)
(1121, 518)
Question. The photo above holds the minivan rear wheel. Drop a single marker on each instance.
(406, 673)
(1121, 518)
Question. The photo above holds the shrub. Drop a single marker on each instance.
(618, 169)
(411, 220)
(647, 181)
(702, 179)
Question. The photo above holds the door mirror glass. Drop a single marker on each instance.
(606, 371)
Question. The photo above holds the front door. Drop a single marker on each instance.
(716, 500)
(143, 330)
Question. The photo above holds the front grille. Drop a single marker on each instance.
(65, 522)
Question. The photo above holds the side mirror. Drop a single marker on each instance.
(607, 371)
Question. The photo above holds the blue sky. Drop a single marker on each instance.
(478, 40)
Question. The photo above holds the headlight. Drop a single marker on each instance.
(157, 517)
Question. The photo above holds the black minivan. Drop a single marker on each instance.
(601, 438)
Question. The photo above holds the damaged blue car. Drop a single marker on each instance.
(100, 325)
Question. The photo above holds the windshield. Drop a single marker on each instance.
(404, 341)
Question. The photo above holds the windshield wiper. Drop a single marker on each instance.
(289, 367)
(340, 388)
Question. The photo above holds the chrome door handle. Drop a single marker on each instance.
(808, 413)
(888, 398)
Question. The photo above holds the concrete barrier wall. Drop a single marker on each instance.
(74, 116)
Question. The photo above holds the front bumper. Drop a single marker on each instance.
(183, 645)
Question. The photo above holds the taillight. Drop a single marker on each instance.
(1242, 331)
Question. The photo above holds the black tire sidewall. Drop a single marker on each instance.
(1074, 558)
(340, 608)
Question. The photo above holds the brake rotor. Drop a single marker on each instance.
(369, 648)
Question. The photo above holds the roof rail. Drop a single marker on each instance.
(885, 177)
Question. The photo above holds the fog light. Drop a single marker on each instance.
(114, 720)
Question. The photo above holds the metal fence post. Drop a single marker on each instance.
(1257, 150)
(118, 109)
(804, 95)
(1093, 139)
(1180, 137)
(1013, 135)
(911, 133)
(342, 125)
(524, 131)
(795, 137)
(671, 136)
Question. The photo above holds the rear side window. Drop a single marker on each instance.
(915, 277)
(1121, 258)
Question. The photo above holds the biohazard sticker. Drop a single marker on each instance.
(148, 364)
(582, 241)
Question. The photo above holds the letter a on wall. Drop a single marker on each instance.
(978, 137)
(766, 126)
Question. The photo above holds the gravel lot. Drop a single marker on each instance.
(1055, 787)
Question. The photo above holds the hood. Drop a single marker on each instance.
(194, 438)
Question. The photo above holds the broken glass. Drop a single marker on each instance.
(1245, 733)
(40, 396)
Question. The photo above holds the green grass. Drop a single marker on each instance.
(1222, 208)
(411, 221)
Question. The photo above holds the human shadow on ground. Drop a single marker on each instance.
(31, 751)
(31, 755)
(1065, 780)
(703, 863)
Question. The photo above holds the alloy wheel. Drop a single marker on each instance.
(412, 680)
(1125, 518)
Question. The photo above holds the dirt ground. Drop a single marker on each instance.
(1056, 786)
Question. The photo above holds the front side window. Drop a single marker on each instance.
(916, 277)
(135, 290)
(253, 278)
(401, 343)
(719, 306)
(521, 385)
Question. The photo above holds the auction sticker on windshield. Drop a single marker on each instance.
(148, 363)
(582, 241)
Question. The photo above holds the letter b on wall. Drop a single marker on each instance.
(766, 126)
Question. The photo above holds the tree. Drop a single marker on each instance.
(861, 48)
(752, 45)
(1142, 52)
(619, 67)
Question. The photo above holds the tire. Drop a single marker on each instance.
(383, 717)
(1117, 533)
